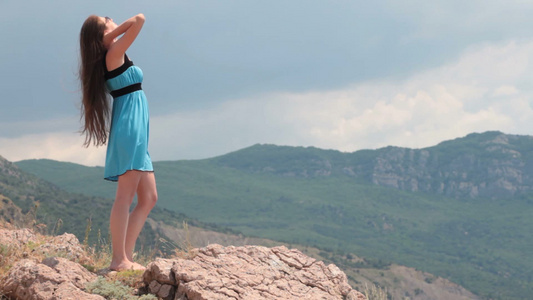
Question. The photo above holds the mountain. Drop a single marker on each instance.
(461, 209)
(490, 164)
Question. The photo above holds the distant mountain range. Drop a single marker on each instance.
(491, 164)
(461, 209)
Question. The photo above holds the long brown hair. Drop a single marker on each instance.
(95, 104)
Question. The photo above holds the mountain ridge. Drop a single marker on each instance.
(469, 166)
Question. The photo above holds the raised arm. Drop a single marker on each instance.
(117, 47)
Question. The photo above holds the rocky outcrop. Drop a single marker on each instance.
(479, 165)
(9, 212)
(65, 245)
(53, 278)
(213, 272)
(17, 238)
(48, 278)
(248, 272)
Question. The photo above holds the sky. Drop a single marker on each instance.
(224, 75)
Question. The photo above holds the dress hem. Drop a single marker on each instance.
(112, 178)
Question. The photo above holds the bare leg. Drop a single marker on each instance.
(146, 199)
(118, 222)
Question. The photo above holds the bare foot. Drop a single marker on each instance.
(121, 266)
(137, 266)
(126, 265)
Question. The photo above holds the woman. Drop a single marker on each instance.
(105, 68)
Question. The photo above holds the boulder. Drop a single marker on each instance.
(65, 245)
(248, 272)
(53, 278)
(16, 238)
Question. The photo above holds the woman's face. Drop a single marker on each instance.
(109, 24)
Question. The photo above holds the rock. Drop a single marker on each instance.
(54, 278)
(213, 272)
(9, 212)
(16, 238)
(248, 272)
(65, 245)
(76, 274)
(161, 271)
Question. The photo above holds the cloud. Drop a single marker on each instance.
(62, 146)
(505, 90)
(487, 88)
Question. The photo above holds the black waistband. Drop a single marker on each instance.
(126, 90)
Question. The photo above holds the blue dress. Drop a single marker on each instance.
(127, 148)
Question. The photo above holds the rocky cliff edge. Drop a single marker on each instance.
(212, 272)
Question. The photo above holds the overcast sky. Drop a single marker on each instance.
(224, 75)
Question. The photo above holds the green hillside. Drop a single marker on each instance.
(28, 199)
(340, 201)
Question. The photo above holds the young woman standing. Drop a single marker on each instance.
(106, 69)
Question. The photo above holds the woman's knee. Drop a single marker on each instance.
(147, 192)
(154, 198)
(148, 200)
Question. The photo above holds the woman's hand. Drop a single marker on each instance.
(116, 47)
